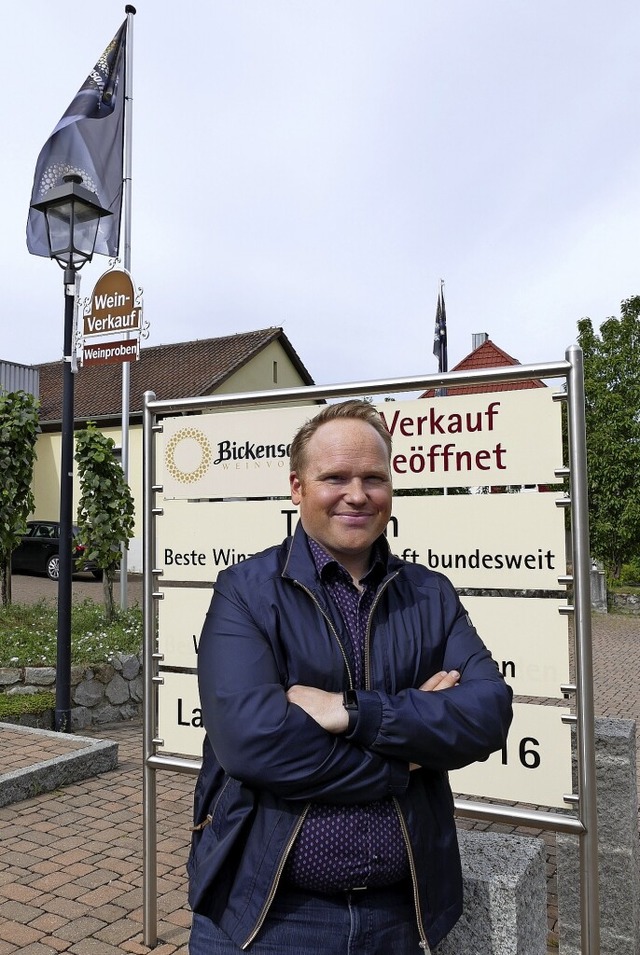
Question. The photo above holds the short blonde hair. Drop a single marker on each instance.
(354, 409)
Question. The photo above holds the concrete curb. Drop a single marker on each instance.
(86, 758)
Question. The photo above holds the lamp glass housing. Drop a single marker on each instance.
(72, 232)
(72, 214)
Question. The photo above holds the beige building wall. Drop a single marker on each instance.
(46, 477)
(270, 369)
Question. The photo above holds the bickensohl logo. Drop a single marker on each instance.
(249, 451)
(194, 438)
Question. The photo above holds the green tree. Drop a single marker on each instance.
(105, 509)
(18, 433)
(612, 389)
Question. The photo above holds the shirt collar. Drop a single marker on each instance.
(328, 567)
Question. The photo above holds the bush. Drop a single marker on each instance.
(630, 574)
(28, 634)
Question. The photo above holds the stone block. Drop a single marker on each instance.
(505, 897)
(117, 690)
(598, 591)
(129, 711)
(80, 717)
(104, 673)
(40, 676)
(136, 689)
(89, 758)
(88, 693)
(77, 674)
(618, 850)
(104, 713)
(43, 721)
(9, 676)
(130, 666)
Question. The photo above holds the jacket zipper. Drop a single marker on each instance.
(403, 826)
(208, 820)
(276, 879)
(367, 641)
(294, 835)
(331, 627)
(414, 877)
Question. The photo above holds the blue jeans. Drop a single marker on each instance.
(371, 922)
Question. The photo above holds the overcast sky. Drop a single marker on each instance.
(321, 164)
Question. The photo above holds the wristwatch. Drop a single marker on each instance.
(350, 703)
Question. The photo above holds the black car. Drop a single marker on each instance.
(39, 552)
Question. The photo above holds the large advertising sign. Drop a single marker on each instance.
(179, 715)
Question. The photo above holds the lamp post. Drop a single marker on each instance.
(72, 215)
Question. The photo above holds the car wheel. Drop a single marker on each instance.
(53, 567)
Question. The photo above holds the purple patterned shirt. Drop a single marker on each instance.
(345, 847)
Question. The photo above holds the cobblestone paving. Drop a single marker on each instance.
(71, 861)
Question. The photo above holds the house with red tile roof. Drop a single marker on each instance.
(486, 354)
(246, 362)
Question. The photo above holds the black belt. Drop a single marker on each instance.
(400, 886)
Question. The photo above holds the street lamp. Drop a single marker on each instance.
(72, 215)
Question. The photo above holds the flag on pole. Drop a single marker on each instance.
(88, 141)
(440, 334)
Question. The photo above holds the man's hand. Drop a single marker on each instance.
(441, 680)
(323, 707)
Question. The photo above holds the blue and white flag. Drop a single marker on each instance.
(88, 141)
(440, 334)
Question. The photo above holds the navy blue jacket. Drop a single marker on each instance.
(269, 627)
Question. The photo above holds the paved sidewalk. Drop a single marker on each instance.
(71, 860)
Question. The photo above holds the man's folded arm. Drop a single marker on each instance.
(268, 742)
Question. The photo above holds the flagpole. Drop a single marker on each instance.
(126, 223)
(440, 338)
(445, 354)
